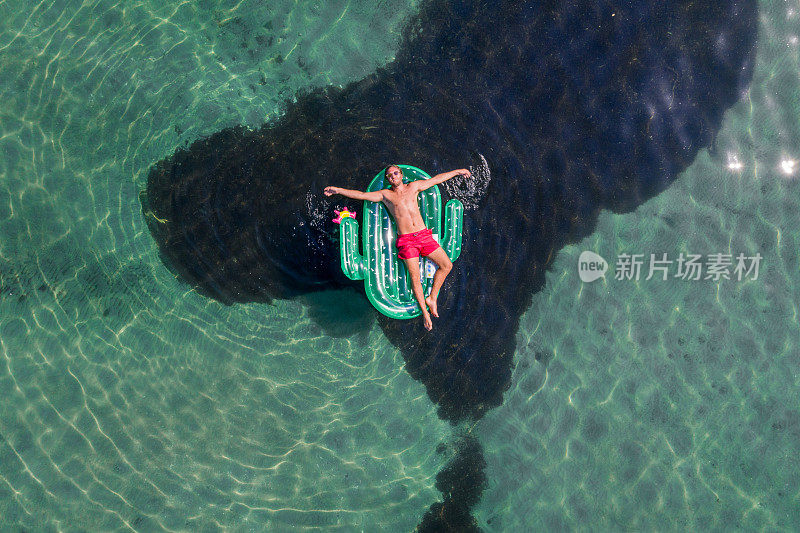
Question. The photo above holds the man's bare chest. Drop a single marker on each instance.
(406, 202)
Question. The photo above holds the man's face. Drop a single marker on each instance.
(394, 175)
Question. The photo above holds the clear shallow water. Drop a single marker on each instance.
(130, 401)
(670, 404)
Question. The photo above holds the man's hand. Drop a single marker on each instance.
(439, 178)
(375, 196)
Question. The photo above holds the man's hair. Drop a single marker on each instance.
(386, 170)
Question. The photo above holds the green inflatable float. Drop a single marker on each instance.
(386, 279)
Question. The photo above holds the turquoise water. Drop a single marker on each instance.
(131, 402)
(673, 404)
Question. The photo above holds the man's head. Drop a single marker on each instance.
(394, 175)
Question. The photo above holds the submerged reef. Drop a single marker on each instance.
(568, 107)
(461, 482)
(561, 108)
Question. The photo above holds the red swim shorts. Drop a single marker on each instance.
(415, 244)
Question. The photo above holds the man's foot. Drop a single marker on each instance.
(426, 320)
(431, 301)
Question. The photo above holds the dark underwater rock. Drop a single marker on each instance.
(461, 482)
(570, 106)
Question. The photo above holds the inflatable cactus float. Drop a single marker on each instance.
(386, 280)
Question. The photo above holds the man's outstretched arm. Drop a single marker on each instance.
(375, 196)
(439, 178)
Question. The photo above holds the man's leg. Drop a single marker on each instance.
(438, 256)
(412, 264)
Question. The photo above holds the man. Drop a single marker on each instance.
(413, 238)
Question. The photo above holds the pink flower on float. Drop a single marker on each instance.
(344, 213)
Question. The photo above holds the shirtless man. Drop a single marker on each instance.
(413, 239)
